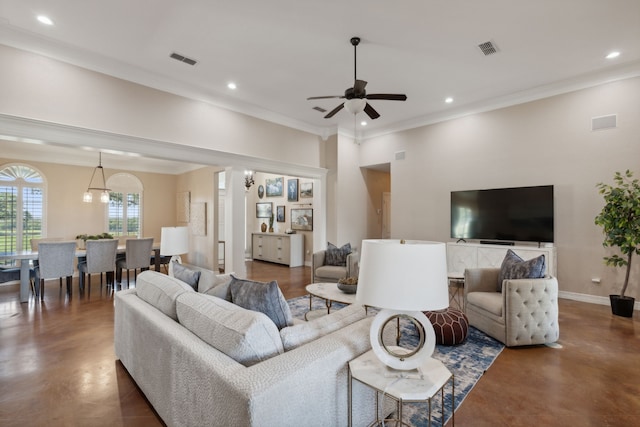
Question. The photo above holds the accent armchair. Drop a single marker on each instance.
(320, 272)
(524, 313)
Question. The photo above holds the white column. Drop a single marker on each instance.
(235, 222)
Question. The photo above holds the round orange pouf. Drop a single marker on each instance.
(451, 325)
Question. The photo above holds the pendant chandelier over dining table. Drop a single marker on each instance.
(104, 196)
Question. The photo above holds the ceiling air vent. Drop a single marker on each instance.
(604, 122)
(184, 59)
(322, 110)
(488, 48)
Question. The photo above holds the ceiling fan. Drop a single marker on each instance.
(356, 96)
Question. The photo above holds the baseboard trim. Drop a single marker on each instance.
(593, 299)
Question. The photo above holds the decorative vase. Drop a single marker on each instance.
(622, 306)
(263, 227)
(270, 229)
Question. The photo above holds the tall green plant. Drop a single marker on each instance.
(620, 220)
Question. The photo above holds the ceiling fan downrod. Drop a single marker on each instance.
(355, 41)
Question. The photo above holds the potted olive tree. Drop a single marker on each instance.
(620, 222)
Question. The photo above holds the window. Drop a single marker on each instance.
(124, 213)
(22, 207)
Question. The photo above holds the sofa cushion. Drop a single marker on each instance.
(514, 267)
(331, 272)
(187, 275)
(246, 336)
(263, 297)
(161, 291)
(487, 301)
(337, 255)
(299, 334)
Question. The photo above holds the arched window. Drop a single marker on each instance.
(22, 206)
(124, 213)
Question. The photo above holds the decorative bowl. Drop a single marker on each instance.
(348, 285)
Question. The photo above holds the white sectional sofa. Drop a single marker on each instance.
(203, 361)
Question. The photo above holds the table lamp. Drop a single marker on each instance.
(174, 241)
(403, 278)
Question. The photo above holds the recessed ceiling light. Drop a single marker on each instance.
(232, 85)
(363, 123)
(613, 54)
(448, 100)
(44, 20)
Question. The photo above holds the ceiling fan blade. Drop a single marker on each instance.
(358, 87)
(334, 111)
(387, 96)
(371, 112)
(325, 97)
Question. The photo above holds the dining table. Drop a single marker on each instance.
(26, 258)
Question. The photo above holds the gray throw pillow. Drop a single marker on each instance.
(190, 277)
(220, 288)
(337, 255)
(263, 297)
(514, 267)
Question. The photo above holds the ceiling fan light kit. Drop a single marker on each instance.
(356, 96)
(355, 106)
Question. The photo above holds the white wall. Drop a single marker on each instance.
(543, 142)
(351, 197)
(41, 88)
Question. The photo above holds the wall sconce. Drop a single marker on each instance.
(104, 196)
(248, 179)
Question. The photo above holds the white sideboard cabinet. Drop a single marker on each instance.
(461, 256)
(279, 248)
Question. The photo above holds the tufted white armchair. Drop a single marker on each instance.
(524, 313)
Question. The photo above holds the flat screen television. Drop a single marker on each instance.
(522, 214)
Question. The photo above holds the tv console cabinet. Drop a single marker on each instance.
(279, 248)
(461, 256)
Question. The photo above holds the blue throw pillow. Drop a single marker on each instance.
(190, 277)
(337, 256)
(514, 267)
(263, 297)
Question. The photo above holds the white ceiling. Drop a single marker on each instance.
(281, 52)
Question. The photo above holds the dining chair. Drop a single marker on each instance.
(35, 242)
(55, 260)
(101, 258)
(34, 248)
(137, 256)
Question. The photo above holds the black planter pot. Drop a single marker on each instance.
(622, 306)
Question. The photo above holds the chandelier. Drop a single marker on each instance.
(104, 196)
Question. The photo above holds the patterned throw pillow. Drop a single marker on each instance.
(263, 297)
(190, 277)
(337, 256)
(514, 267)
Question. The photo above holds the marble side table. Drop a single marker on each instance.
(419, 385)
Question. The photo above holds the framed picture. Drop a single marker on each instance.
(261, 191)
(302, 219)
(264, 210)
(292, 190)
(280, 213)
(199, 219)
(183, 200)
(274, 187)
(306, 189)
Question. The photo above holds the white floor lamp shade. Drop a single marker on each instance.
(404, 278)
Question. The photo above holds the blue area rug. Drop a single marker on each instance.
(467, 361)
